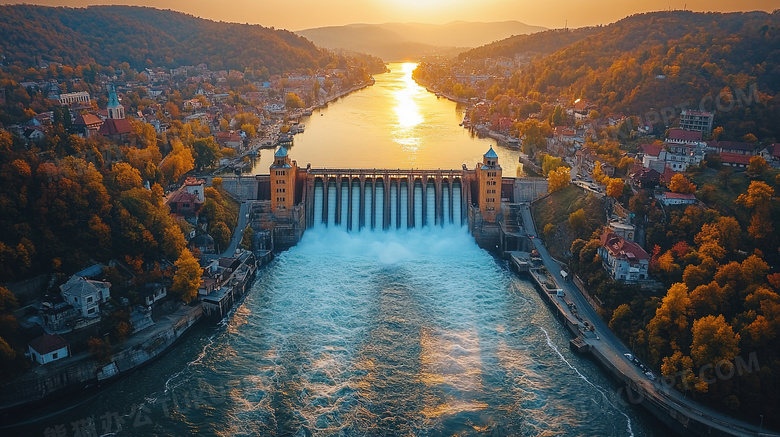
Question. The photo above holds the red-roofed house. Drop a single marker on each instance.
(735, 159)
(184, 202)
(625, 261)
(677, 199)
(681, 136)
(645, 177)
(87, 125)
(229, 139)
(667, 174)
(48, 348)
(117, 128)
(735, 147)
(653, 156)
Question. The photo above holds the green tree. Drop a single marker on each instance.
(221, 234)
(246, 239)
(620, 323)
(206, 152)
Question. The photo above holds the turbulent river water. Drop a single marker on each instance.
(410, 333)
(413, 332)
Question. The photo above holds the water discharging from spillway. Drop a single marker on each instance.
(412, 332)
(375, 205)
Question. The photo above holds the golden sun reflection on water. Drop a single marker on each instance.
(407, 110)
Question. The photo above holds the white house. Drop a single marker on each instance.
(48, 348)
(85, 295)
(152, 293)
(677, 156)
(196, 187)
(677, 199)
(625, 261)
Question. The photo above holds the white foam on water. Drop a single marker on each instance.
(598, 388)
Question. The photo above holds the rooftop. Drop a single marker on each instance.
(48, 343)
(684, 135)
(491, 153)
(735, 158)
(622, 249)
(670, 195)
(79, 286)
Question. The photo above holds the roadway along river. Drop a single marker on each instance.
(393, 124)
(406, 333)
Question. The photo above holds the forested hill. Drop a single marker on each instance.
(146, 37)
(535, 43)
(657, 60)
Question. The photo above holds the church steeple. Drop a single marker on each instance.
(115, 109)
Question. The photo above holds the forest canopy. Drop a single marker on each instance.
(145, 37)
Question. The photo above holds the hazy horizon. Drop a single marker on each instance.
(308, 14)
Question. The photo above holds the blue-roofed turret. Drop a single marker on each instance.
(115, 109)
(490, 158)
(282, 152)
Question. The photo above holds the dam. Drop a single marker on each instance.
(291, 199)
(384, 199)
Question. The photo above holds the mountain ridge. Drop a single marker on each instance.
(394, 40)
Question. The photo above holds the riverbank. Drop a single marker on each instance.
(591, 335)
(271, 141)
(83, 373)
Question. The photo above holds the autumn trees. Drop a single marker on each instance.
(681, 184)
(757, 199)
(558, 174)
(558, 179)
(186, 280)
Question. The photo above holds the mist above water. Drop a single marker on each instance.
(411, 332)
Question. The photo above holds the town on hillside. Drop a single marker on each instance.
(144, 248)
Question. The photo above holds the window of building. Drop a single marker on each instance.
(54, 356)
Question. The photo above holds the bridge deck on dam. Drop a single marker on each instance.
(377, 172)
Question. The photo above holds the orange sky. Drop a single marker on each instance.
(301, 14)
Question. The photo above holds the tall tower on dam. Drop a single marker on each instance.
(489, 176)
(283, 172)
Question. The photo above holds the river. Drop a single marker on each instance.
(413, 332)
(394, 123)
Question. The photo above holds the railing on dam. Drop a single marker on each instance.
(347, 172)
